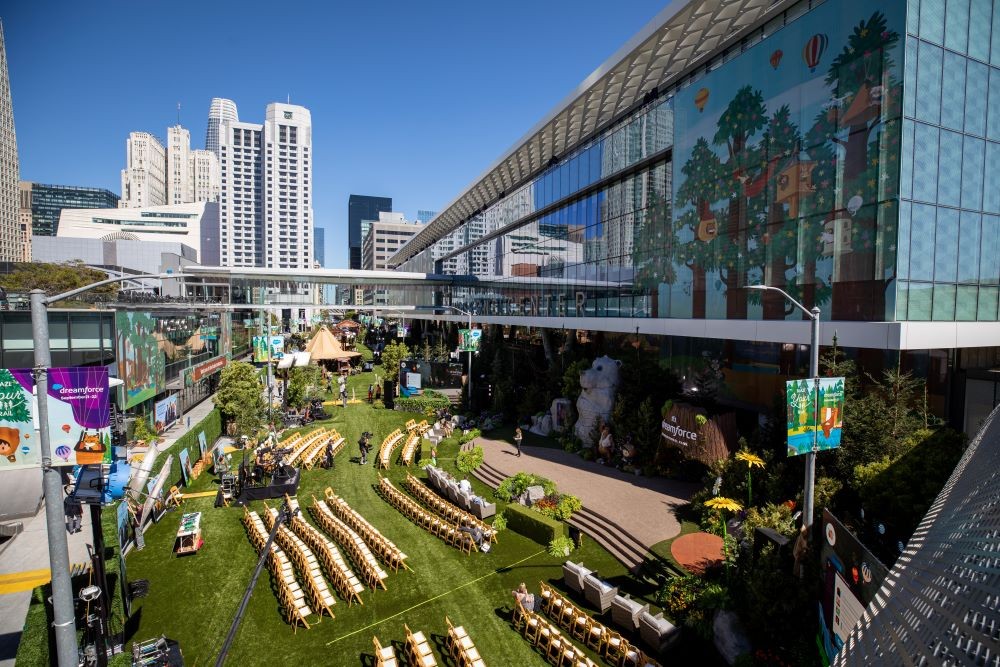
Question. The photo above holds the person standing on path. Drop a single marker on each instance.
(518, 436)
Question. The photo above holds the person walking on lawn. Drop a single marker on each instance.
(518, 436)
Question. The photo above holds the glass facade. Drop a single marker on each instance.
(76, 338)
(362, 207)
(949, 213)
(777, 162)
(47, 201)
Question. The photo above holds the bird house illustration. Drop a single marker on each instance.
(836, 237)
(865, 106)
(708, 227)
(794, 181)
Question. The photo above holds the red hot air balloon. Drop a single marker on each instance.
(66, 428)
(813, 50)
(776, 58)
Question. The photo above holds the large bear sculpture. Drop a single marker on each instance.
(598, 385)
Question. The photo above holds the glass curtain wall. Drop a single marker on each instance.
(949, 237)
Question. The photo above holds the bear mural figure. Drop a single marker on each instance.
(598, 385)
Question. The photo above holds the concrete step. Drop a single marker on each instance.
(610, 539)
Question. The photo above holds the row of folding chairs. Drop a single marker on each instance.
(418, 649)
(306, 563)
(290, 595)
(460, 645)
(336, 566)
(547, 639)
(315, 452)
(389, 444)
(383, 547)
(410, 448)
(368, 566)
(312, 439)
(443, 508)
(614, 648)
(426, 520)
(385, 656)
(410, 424)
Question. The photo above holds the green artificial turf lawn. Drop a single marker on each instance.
(193, 599)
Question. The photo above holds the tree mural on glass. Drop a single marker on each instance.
(697, 233)
(865, 93)
(742, 119)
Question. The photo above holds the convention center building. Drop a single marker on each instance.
(845, 151)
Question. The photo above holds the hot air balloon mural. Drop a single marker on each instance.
(701, 99)
(63, 452)
(813, 50)
(776, 58)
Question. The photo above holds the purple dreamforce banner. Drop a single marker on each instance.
(79, 414)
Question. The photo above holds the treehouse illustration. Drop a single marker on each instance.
(836, 234)
(708, 227)
(794, 181)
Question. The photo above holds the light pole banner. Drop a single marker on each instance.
(468, 339)
(18, 445)
(802, 397)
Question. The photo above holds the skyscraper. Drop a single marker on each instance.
(144, 176)
(362, 207)
(266, 196)
(192, 175)
(319, 252)
(11, 239)
(220, 110)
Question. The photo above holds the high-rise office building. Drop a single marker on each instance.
(423, 217)
(178, 172)
(266, 190)
(220, 110)
(44, 203)
(11, 239)
(319, 252)
(203, 167)
(359, 208)
(24, 219)
(144, 176)
(385, 236)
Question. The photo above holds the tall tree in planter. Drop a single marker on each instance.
(240, 397)
(393, 355)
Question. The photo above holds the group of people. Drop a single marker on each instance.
(374, 393)
(606, 447)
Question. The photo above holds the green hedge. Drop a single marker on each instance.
(533, 525)
(421, 404)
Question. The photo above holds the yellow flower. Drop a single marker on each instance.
(723, 503)
(751, 459)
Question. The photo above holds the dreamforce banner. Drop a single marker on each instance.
(79, 417)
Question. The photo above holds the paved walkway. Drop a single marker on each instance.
(643, 506)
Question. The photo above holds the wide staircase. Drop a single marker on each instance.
(629, 551)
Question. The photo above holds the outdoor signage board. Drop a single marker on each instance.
(185, 460)
(166, 413)
(468, 340)
(260, 348)
(851, 575)
(124, 543)
(209, 367)
(202, 443)
(801, 398)
(141, 365)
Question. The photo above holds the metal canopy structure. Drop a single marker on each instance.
(316, 276)
(668, 47)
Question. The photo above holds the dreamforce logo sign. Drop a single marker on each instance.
(72, 391)
(678, 435)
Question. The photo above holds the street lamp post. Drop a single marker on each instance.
(465, 312)
(810, 483)
(63, 616)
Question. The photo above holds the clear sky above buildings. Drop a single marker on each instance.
(408, 100)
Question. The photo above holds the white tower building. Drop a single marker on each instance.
(179, 184)
(288, 216)
(143, 178)
(240, 206)
(221, 110)
(204, 175)
(11, 238)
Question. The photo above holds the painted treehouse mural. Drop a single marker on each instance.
(790, 180)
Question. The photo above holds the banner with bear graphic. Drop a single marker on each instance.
(18, 444)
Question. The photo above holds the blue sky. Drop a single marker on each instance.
(408, 100)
